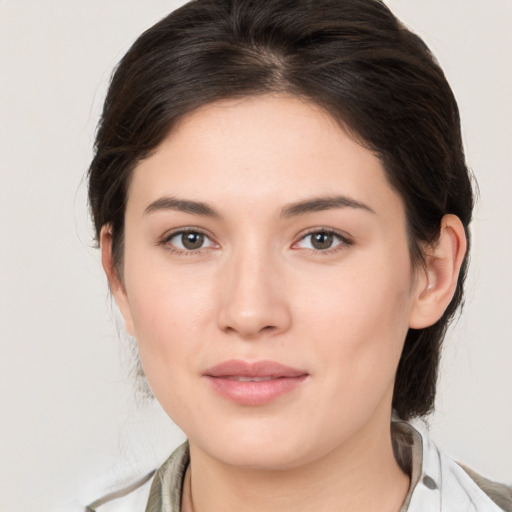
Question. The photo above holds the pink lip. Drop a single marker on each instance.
(229, 380)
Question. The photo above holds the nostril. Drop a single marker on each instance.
(247, 332)
(251, 310)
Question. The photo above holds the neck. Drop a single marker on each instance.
(361, 475)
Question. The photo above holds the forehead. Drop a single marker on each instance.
(264, 148)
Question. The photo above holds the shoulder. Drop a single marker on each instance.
(440, 484)
(500, 493)
(147, 493)
(133, 496)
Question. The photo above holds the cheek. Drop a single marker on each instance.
(360, 320)
(358, 300)
(171, 310)
(164, 298)
(357, 347)
(166, 317)
(167, 328)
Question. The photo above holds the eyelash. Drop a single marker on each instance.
(343, 240)
(184, 252)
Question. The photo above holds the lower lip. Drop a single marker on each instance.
(255, 392)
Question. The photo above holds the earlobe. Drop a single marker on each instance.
(437, 285)
(115, 281)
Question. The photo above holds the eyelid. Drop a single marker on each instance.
(169, 235)
(345, 240)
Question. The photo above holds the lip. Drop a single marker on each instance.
(253, 383)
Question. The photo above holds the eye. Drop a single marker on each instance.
(321, 240)
(186, 241)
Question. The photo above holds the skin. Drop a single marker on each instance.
(258, 289)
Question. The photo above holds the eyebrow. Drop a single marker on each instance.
(315, 204)
(318, 204)
(182, 205)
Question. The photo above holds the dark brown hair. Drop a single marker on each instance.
(351, 57)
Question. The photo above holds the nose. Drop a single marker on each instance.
(252, 297)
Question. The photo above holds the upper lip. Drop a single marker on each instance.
(239, 368)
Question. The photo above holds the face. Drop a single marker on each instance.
(268, 282)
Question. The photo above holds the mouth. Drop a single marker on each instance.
(250, 379)
(255, 383)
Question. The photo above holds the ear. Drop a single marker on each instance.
(436, 286)
(115, 281)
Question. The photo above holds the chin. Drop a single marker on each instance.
(261, 447)
(262, 458)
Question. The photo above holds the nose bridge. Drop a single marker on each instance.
(252, 301)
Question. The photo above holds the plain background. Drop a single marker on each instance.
(70, 425)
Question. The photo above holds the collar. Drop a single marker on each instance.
(438, 484)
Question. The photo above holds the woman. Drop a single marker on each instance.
(282, 203)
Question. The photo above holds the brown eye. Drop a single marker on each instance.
(189, 241)
(192, 240)
(322, 241)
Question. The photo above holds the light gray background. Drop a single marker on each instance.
(69, 424)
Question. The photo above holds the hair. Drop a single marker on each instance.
(354, 59)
